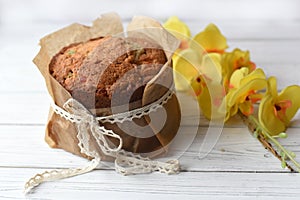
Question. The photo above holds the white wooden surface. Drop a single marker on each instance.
(237, 168)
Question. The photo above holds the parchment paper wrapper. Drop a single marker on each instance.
(61, 133)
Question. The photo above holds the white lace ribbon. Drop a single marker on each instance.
(126, 163)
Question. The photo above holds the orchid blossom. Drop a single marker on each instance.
(210, 95)
(234, 60)
(277, 110)
(243, 92)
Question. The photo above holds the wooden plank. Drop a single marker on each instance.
(270, 51)
(190, 9)
(272, 54)
(262, 29)
(187, 185)
(235, 150)
(24, 146)
(235, 29)
(32, 108)
(22, 75)
(20, 78)
(24, 108)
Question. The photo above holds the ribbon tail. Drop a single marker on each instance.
(59, 174)
(127, 163)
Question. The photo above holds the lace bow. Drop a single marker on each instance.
(126, 163)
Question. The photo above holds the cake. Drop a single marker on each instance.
(111, 74)
(108, 72)
(100, 69)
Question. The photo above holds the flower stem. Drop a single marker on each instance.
(263, 136)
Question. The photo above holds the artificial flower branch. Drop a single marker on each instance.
(228, 83)
(265, 138)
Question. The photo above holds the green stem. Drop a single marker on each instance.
(274, 141)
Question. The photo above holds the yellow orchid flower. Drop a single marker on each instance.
(210, 95)
(211, 39)
(185, 68)
(179, 29)
(277, 110)
(243, 93)
(234, 60)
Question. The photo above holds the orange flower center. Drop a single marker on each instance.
(280, 110)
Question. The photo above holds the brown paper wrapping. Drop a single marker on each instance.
(61, 133)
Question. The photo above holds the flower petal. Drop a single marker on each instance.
(292, 94)
(256, 74)
(246, 108)
(255, 97)
(237, 76)
(185, 64)
(277, 110)
(178, 28)
(211, 66)
(267, 118)
(241, 94)
(272, 87)
(232, 61)
(211, 39)
(210, 96)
